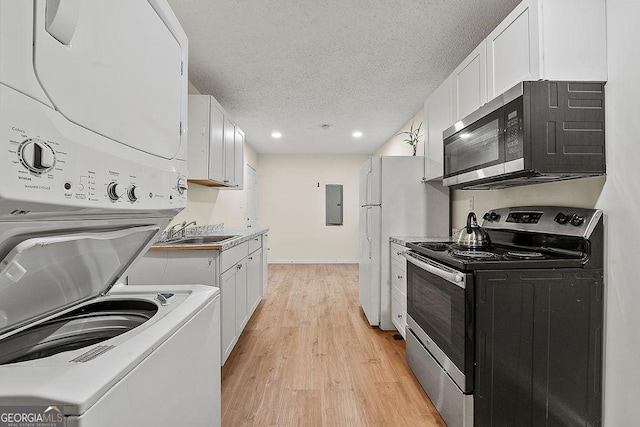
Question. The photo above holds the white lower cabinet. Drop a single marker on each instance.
(254, 279)
(242, 306)
(399, 288)
(229, 335)
(265, 272)
(237, 271)
(233, 289)
(399, 311)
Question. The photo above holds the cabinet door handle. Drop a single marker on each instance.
(398, 253)
(400, 277)
(239, 266)
(399, 316)
(250, 258)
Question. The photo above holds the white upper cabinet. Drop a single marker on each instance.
(215, 151)
(229, 153)
(239, 158)
(438, 116)
(470, 83)
(233, 156)
(549, 40)
(205, 145)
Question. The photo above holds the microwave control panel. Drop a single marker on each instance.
(513, 144)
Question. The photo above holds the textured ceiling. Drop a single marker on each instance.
(293, 66)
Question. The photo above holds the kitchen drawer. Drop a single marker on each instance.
(399, 276)
(255, 243)
(232, 256)
(396, 252)
(399, 312)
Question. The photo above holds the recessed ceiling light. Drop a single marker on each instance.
(357, 134)
(276, 135)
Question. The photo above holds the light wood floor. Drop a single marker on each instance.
(308, 357)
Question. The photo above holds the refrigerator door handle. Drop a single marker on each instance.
(368, 193)
(369, 230)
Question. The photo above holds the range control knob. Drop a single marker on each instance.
(181, 185)
(115, 190)
(134, 193)
(491, 216)
(458, 278)
(561, 218)
(37, 156)
(576, 220)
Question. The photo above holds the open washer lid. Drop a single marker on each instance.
(43, 275)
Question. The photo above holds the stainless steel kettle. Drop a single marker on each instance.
(473, 236)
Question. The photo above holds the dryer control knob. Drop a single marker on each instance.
(134, 193)
(181, 186)
(115, 191)
(37, 156)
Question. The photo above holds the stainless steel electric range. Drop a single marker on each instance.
(510, 333)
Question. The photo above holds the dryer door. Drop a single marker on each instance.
(117, 68)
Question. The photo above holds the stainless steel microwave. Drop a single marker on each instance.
(538, 131)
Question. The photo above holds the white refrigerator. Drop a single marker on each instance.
(393, 202)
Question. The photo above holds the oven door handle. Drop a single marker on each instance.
(449, 275)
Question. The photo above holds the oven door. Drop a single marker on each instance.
(440, 314)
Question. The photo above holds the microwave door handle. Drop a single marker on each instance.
(450, 276)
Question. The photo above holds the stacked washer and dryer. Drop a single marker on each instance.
(93, 104)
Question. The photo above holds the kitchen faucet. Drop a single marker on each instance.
(171, 234)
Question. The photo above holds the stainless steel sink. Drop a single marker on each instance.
(199, 240)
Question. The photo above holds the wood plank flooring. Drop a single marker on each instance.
(308, 357)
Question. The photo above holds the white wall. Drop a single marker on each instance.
(620, 201)
(397, 147)
(580, 193)
(292, 205)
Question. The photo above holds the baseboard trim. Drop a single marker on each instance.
(312, 261)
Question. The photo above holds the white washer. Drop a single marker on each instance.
(93, 103)
(126, 356)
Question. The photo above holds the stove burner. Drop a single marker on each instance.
(474, 255)
(435, 246)
(524, 255)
